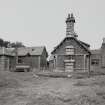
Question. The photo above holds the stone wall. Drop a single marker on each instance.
(78, 48)
(32, 61)
(78, 56)
(97, 65)
(4, 63)
(103, 55)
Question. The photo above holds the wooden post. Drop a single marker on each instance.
(16, 57)
(84, 63)
(3, 63)
(56, 61)
(89, 67)
(3, 59)
(39, 62)
(8, 63)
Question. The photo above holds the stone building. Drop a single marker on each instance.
(98, 57)
(71, 54)
(6, 57)
(32, 58)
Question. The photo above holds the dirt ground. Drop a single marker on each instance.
(28, 89)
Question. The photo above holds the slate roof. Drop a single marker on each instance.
(83, 44)
(22, 51)
(86, 44)
(30, 50)
(7, 51)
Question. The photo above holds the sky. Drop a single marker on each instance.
(42, 22)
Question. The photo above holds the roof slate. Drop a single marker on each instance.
(30, 50)
(22, 51)
(7, 51)
(84, 45)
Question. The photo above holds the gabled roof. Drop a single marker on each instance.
(30, 50)
(23, 51)
(85, 43)
(7, 51)
(78, 41)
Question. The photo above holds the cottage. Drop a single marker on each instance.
(6, 58)
(98, 57)
(31, 58)
(71, 54)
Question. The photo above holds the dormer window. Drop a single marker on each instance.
(69, 50)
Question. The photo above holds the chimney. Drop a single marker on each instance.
(70, 21)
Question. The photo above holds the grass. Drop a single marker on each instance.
(80, 83)
(75, 75)
(102, 94)
(22, 88)
(7, 81)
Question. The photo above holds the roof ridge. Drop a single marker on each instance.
(73, 38)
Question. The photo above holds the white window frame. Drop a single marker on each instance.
(69, 50)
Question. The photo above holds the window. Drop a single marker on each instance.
(28, 54)
(20, 60)
(33, 49)
(95, 62)
(69, 50)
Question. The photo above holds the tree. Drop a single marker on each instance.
(9, 44)
(17, 44)
(1, 42)
(6, 44)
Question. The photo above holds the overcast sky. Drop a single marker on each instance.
(42, 22)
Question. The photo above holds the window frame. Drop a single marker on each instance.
(95, 62)
(20, 61)
(70, 50)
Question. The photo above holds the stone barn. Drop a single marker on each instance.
(34, 58)
(70, 54)
(98, 57)
(6, 57)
